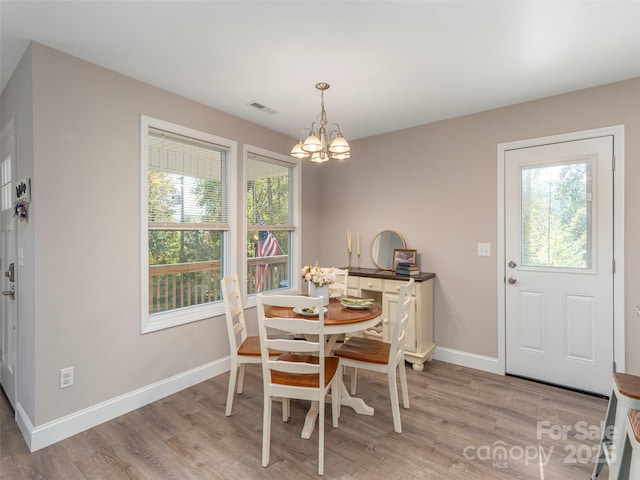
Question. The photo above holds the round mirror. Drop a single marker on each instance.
(382, 248)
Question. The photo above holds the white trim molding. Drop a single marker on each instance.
(617, 132)
(151, 322)
(466, 359)
(69, 425)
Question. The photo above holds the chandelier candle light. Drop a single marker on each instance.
(318, 144)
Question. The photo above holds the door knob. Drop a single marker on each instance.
(10, 293)
(512, 264)
(512, 280)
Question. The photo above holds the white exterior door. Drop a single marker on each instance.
(9, 314)
(559, 263)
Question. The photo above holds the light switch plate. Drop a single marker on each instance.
(484, 249)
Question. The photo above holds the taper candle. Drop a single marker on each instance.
(358, 242)
(348, 241)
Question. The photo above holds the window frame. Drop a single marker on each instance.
(159, 321)
(295, 253)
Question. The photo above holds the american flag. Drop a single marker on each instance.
(267, 247)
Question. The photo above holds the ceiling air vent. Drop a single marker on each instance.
(262, 108)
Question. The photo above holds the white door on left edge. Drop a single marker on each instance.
(559, 255)
(8, 310)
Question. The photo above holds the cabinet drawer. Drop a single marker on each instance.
(374, 284)
(353, 282)
(393, 286)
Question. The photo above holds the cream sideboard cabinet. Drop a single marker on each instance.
(383, 286)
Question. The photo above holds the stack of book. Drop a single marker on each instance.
(406, 268)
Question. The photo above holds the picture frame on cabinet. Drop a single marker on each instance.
(404, 255)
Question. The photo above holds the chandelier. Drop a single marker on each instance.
(318, 144)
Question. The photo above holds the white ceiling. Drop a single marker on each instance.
(391, 65)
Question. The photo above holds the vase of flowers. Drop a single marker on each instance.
(319, 280)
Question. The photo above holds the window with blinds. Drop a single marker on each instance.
(6, 148)
(271, 204)
(5, 180)
(187, 222)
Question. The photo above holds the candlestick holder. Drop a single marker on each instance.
(358, 261)
(349, 259)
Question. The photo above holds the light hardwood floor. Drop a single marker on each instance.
(459, 423)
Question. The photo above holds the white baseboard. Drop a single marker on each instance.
(64, 427)
(466, 359)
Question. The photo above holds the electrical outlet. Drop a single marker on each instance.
(66, 377)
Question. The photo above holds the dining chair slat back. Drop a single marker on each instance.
(340, 286)
(243, 348)
(304, 372)
(384, 357)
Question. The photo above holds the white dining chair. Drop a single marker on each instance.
(340, 286)
(304, 372)
(629, 462)
(625, 396)
(243, 348)
(384, 357)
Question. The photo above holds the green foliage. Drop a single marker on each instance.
(161, 193)
(268, 204)
(554, 216)
(183, 246)
(173, 246)
(160, 196)
(209, 193)
(268, 201)
(186, 200)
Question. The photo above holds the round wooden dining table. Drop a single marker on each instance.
(338, 320)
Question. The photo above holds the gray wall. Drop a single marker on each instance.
(85, 289)
(436, 184)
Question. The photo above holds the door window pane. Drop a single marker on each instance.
(556, 216)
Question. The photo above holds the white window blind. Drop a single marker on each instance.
(190, 180)
(6, 184)
(6, 150)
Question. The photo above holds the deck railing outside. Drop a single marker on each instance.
(186, 284)
(277, 275)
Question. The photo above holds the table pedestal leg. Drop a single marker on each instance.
(346, 400)
(310, 421)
